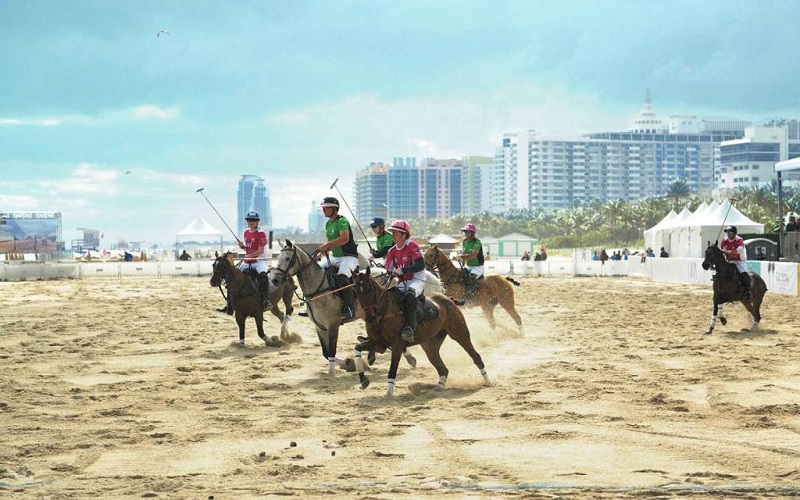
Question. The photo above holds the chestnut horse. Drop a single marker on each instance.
(492, 290)
(385, 318)
(727, 288)
(247, 300)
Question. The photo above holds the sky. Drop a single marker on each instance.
(116, 125)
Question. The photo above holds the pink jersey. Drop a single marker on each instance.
(403, 257)
(252, 241)
(727, 245)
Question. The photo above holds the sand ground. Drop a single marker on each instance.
(135, 388)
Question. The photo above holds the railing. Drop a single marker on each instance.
(20, 271)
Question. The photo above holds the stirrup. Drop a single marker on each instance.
(407, 334)
(303, 314)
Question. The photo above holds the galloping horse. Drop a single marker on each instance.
(727, 289)
(492, 290)
(385, 319)
(324, 306)
(247, 300)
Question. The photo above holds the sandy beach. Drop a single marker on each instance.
(136, 388)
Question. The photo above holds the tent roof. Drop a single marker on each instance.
(678, 220)
(516, 237)
(663, 222)
(199, 227)
(783, 166)
(442, 239)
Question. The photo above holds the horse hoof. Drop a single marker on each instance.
(349, 364)
(371, 358)
(709, 331)
(412, 361)
(365, 383)
(723, 321)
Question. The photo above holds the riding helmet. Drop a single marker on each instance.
(469, 227)
(377, 222)
(731, 229)
(402, 226)
(252, 215)
(329, 201)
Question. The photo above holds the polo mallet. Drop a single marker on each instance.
(351, 212)
(220, 217)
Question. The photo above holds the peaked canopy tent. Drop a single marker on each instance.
(696, 232)
(199, 232)
(653, 237)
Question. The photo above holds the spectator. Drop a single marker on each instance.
(526, 255)
(650, 252)
(488, 255)
(185, 256)
(663, 253)
(543, 253)
(603, 256)
(595, 256)
(792, 225)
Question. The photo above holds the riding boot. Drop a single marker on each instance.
(472, 286)
(263, 287)
(348, 295)
(410, 309)
(744, 279)
(227, 308)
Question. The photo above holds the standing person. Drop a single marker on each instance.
(543, 253)
(345, 254)
(734, 248)
(471, 258)
(663, 253)
(383, 240)
(405, 261)
(254, 242)
(526, 255)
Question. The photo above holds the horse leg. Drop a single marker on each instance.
(717, 307)
(328, 341)
(488, 311)
(360, 365)
(240, 319)
(397, 350)
(462, 337)
(431, 348)
(507, 302)
(410, 359)
(288, 289)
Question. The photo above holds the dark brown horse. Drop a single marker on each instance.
(727, 287)
(247, 300)
(492, 290)
(385, 318)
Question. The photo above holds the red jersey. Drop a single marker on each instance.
(727, 245)
(252, 241)
(403, 257)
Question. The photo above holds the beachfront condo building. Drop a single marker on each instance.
(253, 194)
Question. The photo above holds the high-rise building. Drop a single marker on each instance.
(316, 220)
(253, 194)
(402, 189)
(370, 192)
(533, 170)
(440, 188)
(749, 162)
(474, 169)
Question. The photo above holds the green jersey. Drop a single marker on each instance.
(383, 243)
(332, 230)
(468, 246)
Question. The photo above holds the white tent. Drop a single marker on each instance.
(691, 236)
(653, 237)
(199, 231)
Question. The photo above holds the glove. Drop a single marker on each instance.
(397, 272)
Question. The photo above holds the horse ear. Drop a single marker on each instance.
(216, 254)
(288, 243)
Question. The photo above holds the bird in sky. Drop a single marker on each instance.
(162, 32)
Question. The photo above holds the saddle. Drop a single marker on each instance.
(260, 284)
(426, 309)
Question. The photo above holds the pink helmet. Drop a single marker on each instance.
(402, 226)
(469, 226)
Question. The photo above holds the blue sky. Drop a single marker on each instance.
(116, 127)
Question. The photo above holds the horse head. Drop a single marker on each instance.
(291, 261)
(431, 257)
(221, 268)
(713, 256)
(368, 293)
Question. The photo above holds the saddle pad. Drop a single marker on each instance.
(427, 310)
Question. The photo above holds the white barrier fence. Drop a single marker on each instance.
(780, 277)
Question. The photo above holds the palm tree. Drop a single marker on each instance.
(678, 190)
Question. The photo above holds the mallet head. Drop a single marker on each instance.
(334, 183)
(200, 190)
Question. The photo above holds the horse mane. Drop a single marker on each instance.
(443, 261)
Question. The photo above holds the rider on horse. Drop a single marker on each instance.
(472, 258)
(405, 261)
(345, 254)
(734, 248)
(383, 240)
(255, 241)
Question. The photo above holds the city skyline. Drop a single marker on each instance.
(116, 127)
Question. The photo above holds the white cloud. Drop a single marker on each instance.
(153, 112)
(14, 203)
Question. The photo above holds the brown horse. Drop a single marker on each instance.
(727, 288)
(492, 290)
(385, 318)
(247, 300)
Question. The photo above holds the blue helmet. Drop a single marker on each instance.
(376, 222)
(252, 215)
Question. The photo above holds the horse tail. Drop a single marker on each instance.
(512, 280)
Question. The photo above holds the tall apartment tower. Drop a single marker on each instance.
(533, 170)
(749, 162)
(474, 174)
(371, 196)
(402, 189)
(253, 194)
